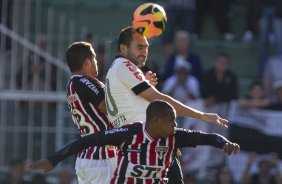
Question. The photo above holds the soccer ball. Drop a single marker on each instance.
(149, 19)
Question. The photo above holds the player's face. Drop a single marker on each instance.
(138, 50)
(167, 124)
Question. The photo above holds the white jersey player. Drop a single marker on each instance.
(128, 93)
(125, 106)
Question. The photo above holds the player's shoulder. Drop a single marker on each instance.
(86, 80)
(122, 62)
(133, 128)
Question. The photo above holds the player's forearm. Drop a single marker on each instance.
(72, 148)
(152, 94)
(181, 109)
(187, 138)
(212, 139)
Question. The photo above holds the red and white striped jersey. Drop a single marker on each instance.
(84, 94)
(144, 160)
(141, 159)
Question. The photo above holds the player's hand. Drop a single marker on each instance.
(152, 78)
(230, 148)
(42, 166)
(214, 119)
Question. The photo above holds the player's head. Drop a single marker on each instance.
(160, 119)
(133, 46)
(221, 62)
(81, 59)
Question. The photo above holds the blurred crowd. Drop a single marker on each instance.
(16, 175)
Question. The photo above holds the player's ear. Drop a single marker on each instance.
(123, 49)
(86, 62)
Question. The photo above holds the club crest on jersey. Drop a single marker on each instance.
(161, 150)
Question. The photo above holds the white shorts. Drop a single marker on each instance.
(95, 171)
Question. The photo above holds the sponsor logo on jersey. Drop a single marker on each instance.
(119, 121)
(90, 85)
(132, 68)
(116, 130)
(142, 171)
(161, 150)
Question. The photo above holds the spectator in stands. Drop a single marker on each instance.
(272, 72)
(256, 97)
(224, 176)
(182, 85)
(252, 19)
(277, 101)
(181, 14)
(182, 43)
(268, 171)
(37, 70)
(270, 20)
(219, 84)
(220, 11)
(15, 174)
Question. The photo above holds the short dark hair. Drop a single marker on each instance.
(255, 83)
(126, 36)
(158, 108)
(222, 54)
(77, 53)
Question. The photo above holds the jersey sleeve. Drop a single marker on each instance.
(90, 90)
(192, 138)
(132, 77)
(113, 137)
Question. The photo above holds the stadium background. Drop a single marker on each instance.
(34, 118)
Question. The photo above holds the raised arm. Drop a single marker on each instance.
(152, 94)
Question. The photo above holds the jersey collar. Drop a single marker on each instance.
(119, 56)
(146, 133)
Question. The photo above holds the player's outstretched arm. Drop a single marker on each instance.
(192, 138)
(152, 94)
(109, 137)
(43, 166)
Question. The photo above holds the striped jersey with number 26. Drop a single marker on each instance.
(84, 94)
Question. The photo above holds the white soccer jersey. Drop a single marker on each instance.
(124, 81)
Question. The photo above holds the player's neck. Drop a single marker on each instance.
(83, 73)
